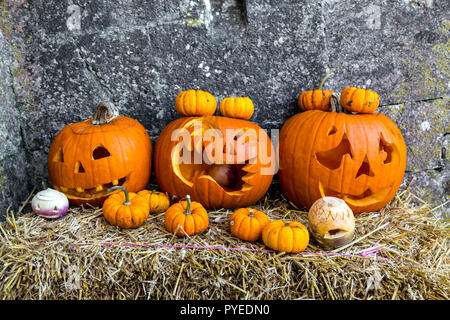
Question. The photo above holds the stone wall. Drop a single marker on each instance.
(59, 58)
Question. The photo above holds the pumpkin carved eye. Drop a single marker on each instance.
(332, 158)
(100, 152)
(58, 157)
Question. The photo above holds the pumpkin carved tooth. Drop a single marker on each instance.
(115, 182)
(79, 189)
(64, 189)
(99, 188)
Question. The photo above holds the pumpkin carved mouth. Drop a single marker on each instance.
(94, 192)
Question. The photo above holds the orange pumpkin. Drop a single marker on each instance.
(126, 210)
(316, 99)
(189, 149)
(86, 158)
(285, 236)
(241, 108)
(247, 224)
(360, 158)
(195, 103)
(359, 100)
(186, 218)
(158, 201)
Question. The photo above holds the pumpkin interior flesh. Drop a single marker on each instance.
(89, 193)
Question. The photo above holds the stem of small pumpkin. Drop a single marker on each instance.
(288, 224)
(188, 207)
(251, 213)
(127, 196)
(325, 79)
(104, 113)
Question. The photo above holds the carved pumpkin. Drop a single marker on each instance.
(125, 209)
(247, 224)
(87, 158)
(285, 236)
(195, 103)
(186, 218)
(241, 108)
(316, 99)
(188, 150)
(359, 100)
(157, 201)
(360, 158)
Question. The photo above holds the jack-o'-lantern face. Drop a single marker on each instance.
(220, 162)
(86, 159)
(360, 158)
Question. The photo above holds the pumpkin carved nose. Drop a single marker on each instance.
(79, 167)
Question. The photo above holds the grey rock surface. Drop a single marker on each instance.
(140, 54)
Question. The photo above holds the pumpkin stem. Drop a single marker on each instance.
(335, 104)
(104, 113)
(127, 196)
(325, 79)
(288, 224)
(188, 207)
(251, 213)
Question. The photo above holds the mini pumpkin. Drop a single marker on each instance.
(316, 99)
(86, 158)
(158, 201)
(247, 224)
(195, 103)
(331, 222)
(125, 209)
(241, 107)
(186, 218)
(359, 100)
(285, 236)
(360, 158)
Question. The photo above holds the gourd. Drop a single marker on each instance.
(241, 107)
(186, 218)
(195, 103)
(317, 99)
(285, 236)
(247, 224)
(125, 209)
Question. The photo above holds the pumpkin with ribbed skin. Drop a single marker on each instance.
(360, 158)
(247, 224)
(317, 99)
(189, 148)
(125, 209)
(186, 218)
(241, 107)
(195, 103)
(285, 236)
(158, 201)
(359, 100)
(86, 158)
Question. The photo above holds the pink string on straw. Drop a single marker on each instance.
(364, 253)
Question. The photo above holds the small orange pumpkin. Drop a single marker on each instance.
(285, 236)
(126, 210)
(316, 99)
(359, 100)
(158, 201)
(241, 108)
(186, 218)
(195, 103)
(247, 224)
